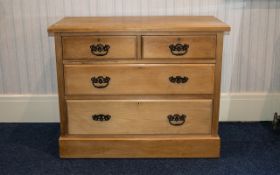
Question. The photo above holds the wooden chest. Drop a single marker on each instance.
(139, 86)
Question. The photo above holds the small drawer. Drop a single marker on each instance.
(139, 117)
(126, 79)
(181, 47)
(99, 47)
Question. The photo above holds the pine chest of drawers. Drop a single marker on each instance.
(139, 86)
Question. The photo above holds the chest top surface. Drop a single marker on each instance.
(139, 24)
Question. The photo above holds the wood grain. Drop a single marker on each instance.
(139, 147)
(60, 83)
(141, 61)
(140, 97)
(151, 23)
(139, 116)
(140, 79)
(217, 93)
(157, 47)
(78, 47)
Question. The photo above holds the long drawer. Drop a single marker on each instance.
(139, 116)
(128, 79)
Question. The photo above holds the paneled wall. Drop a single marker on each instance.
(251, 50)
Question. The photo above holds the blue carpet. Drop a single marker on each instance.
(247, 148)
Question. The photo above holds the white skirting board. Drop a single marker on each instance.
(234, 107)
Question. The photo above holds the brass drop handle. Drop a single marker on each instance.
(99, 49)
(179, 49)
(176, 119)
(100, 81)
(178, 79)
(101, 117)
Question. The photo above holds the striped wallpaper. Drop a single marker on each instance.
(251, 50)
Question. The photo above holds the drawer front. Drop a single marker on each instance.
(98, 47)
(139, 117)
(139, 79)
(181, 47)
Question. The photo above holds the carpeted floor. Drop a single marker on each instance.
(247, 148)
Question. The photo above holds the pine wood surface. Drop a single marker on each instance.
(130, 23)
(140, 79)
(139, 147)
(139, 116)
(121, 47)
(157, 47)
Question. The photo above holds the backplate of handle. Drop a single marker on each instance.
(179, 49)
(101, 117)
(176, 119)
(178, 79)
(100, 81)
(99, 49)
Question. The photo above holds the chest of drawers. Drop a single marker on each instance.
(139, 86)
